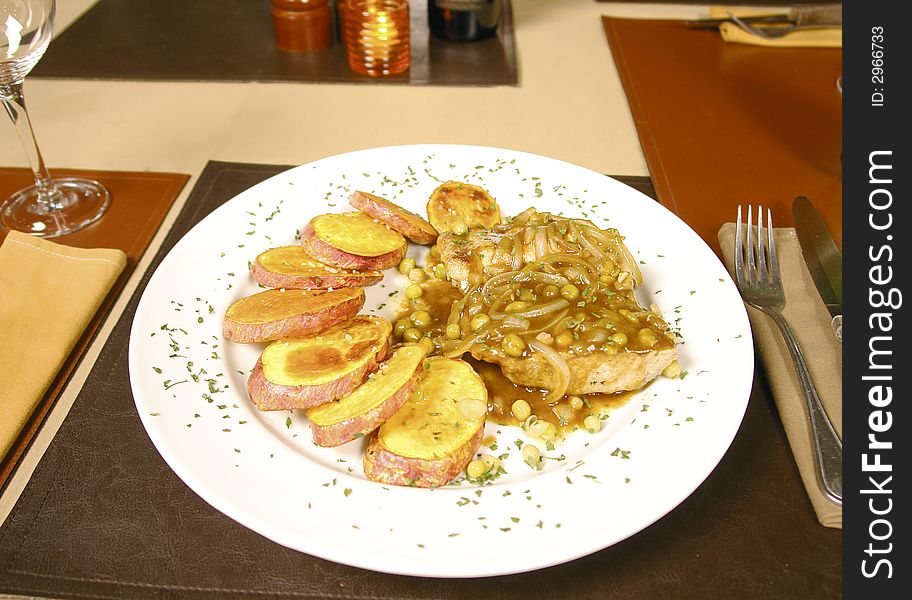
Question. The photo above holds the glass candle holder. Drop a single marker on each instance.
(376, 34)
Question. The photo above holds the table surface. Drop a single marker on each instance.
(569, 105)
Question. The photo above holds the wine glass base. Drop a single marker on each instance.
(80, 202)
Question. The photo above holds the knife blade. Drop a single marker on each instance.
(823, 259)
(802, 15)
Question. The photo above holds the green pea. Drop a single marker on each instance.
(513, 345)
(569, 292)
(406, 265)
(479, 321)
(421, 318)
(412, 334)
(413, 291)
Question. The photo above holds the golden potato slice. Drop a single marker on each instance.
(372, 403)
(276, 314)
(303, 373)
(353, 241)
(456, 204)
(405, 222)
(291, 267)
(430, 440)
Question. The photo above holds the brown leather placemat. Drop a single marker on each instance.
(713, 2)
(725, 124)
(233, 40)
(139, 203)
(104, 517)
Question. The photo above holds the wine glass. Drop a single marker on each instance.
(50, 207)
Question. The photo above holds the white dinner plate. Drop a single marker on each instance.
(263, 470)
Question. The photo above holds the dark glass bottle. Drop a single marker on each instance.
(463, 20)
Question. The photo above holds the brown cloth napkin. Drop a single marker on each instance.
(48, 294)
(828, 37)
(810, 320)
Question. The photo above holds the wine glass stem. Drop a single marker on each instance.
(14, 102)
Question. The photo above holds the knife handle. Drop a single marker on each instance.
(823, 14)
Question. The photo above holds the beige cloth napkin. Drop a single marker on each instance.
(810, 320)
(48, 295)
(830, 37)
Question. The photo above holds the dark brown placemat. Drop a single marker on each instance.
(140, 201)
(105, 517)
(233, 40)
(724, 124)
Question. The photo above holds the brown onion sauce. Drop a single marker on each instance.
(502, 393)
(439, 297)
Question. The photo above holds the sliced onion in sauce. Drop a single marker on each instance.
(544, 309)
(561, 379)
(514, 322)
(590, 246)
(541, 243)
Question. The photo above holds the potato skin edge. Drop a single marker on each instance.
(271, 279)
(384, 466)
(295, 326)
(358, 426)
(267, 395)
(329, 254)
(396, 219)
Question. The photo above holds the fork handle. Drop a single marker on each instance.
(826, 443)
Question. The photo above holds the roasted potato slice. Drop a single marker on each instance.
(276, 314)
(405, 222)
(431, 439)
(372, 403)
(303, 373)
(455, 205)
(353, 240)
(291, 267)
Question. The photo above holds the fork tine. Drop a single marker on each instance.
(751, 275)
(773, 260)
(739, 249)
(761, 255)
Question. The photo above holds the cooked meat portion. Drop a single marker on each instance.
(551, 300)
(466, 256)
(597, 372)
(474, 257)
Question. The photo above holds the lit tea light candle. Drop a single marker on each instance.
(377, 36)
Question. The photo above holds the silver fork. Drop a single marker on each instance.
(757, 273)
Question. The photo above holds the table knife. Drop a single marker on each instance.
(823, 259)
(801, 15)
